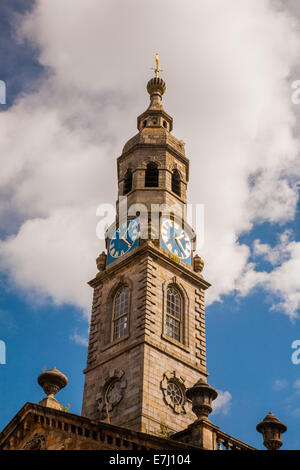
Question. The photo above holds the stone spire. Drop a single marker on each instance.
(155, 115)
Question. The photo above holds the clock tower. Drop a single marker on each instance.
(147, 334)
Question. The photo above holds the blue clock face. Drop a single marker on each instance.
(124, 239)
(176, 240)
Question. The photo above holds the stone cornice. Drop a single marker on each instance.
(78, 420)
(159, 190)
(147, 340)
(157, 147)
(149, 249)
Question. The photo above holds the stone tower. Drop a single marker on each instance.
(147, 334)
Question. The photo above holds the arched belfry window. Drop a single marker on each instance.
(176, 182)
(128, 182)
(174, 316)
(151, 175)
(121, 313)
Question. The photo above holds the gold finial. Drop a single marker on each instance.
(157, 69)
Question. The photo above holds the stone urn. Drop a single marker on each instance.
(52, 381)
(101, 261)
(202, 396)
(271, 429)
(198, 264)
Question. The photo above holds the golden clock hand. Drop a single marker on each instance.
(126, 241)
(177, 239)
(124, 235)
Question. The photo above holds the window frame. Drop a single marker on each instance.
(122, 315)
(185, 303)
(170, 315)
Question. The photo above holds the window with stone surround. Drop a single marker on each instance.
(174, 392)
(173, 389)
(174, 315)
(121, 312)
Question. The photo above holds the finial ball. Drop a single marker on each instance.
(156, 85)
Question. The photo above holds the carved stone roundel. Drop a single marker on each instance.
(173, 390)
(111, 392)
(114, 393)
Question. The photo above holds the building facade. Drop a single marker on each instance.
(147, 337)
(146, 375)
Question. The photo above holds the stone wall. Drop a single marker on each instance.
(145, 357)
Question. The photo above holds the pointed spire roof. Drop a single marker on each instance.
(154, 124)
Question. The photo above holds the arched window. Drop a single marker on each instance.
(121, 313)
(127, 182)
(151, 176)
(176, 182)
(174, 320)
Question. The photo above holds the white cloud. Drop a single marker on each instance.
(297, 384)
(222, 404)
(226, 64)
(280, 384)
(79, 339)
(277, 254)
(41, 260)
(282, 282)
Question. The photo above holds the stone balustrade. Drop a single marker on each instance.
(226, 442)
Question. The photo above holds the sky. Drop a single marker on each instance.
(76, 77)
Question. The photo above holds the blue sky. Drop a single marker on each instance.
(33, 333)
(42, 320)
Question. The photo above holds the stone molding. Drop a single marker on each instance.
(150, 249)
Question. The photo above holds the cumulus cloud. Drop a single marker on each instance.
(277, 254)
(297, 385)
(282, 282)
(227, 65)
(280, 384)
(222, 404)
(79, 339)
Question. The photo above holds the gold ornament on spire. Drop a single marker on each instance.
(157, 69)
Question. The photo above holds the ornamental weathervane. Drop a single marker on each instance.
(157, 69)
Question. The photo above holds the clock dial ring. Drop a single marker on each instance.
(176, 240)
(123, 239)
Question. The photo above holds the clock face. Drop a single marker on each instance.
(176, 240)
(124, 239)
